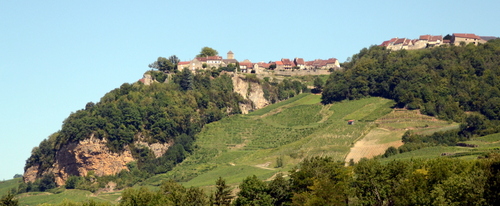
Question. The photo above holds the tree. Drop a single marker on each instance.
(391, 151)
(186, 79)
(320, 181)
(222, 193)
(72, 182)
(141, 196)
(174, 59)
(279, 162)
(253, 192)
(279, 189)
(165, 65)
(318, 84)
(272, 66)
(207, 52)
(47, 182)
(8, 200)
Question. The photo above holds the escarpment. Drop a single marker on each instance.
(92, 154)
(251, 91)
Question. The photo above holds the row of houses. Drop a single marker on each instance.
(246, 66)
(299, 63)
(425, 41)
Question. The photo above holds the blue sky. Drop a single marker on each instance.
(55, 56)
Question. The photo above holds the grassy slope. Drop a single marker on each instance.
(242, 145)
(486, 144)
(7, 185)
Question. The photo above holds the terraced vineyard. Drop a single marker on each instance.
(391, 128)
(291, 130)
(483, 146)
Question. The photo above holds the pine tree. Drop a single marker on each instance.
(222, 193)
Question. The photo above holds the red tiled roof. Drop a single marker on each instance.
(286, 62)
(247, 64)
(436, 38)
(400, 41)
(425, 37)
(331, 61)
(407, 42)
(299, 61)
(279, 63)
(385, 43)
(470, 36)
(214, 57)
(264, 65)
(183, 63)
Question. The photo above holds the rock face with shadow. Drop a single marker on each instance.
(92, 154)
(251, 91)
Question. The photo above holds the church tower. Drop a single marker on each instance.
(230, 55)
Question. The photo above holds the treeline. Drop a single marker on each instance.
(323, 181)
(457, 83)
(170, 112)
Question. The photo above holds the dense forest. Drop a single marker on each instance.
(322, 181)
(173, 109)
(456, 83)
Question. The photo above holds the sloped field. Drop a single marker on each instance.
(390, 129)
(291, 130)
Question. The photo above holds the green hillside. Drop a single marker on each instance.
(292, 130)
(485, 145)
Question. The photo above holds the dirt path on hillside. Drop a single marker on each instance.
(373, 144)
(264, 166)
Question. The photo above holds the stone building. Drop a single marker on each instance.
(457, 38)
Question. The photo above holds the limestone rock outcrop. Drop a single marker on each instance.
(251, 91)
(92, 154)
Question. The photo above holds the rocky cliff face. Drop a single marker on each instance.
(251, 91)
(89, 155)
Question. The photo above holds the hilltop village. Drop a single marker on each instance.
(285, 65)
(426, 41)
(298, 66)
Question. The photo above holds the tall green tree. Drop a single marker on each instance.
(165, 65)
(222, 194)
(318, 84)
(253, 192)
(174, 59)
(186, 79)
(207, 52)
(280, 191)
(320, 181)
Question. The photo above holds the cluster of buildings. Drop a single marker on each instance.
(426, 41)
(246, 66)
(288, 65)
